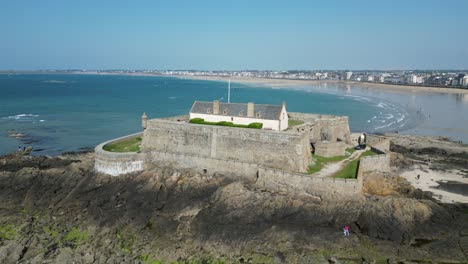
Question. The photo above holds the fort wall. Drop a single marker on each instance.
(297, 184)
(288, 151)
(232, 169)
(114, 163)
(330, 149)
(378, 143)
(323, 127)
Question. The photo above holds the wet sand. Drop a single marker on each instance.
(447, 186)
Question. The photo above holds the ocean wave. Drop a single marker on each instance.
(382, 105)
(387, 125)
(20, 116)
(401, 118)
(54, 81)
(172, 97)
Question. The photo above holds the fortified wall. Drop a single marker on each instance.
(289, 151)
(323, 127)
(271, 160)
(114, 163)
(327, 133)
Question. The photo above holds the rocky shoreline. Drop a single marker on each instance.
(58, 210)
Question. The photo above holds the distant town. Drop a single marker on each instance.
(436, 78)
(423, 78)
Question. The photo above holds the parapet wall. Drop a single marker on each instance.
(114, 163)
(297, 184)
(330, 149)
(378, 143)
(377, 163)
(288, 151)
(323, 127)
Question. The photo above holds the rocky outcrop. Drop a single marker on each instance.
(431, 149)
(59, 210)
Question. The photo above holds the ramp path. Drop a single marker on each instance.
(329, 169)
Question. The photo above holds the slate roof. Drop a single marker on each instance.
(268, 112)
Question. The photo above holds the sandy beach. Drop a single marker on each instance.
(278, 83)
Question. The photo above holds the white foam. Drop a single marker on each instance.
(401, 118)
(54, 81)
(20, 116)
(380, 127)
(381, 105)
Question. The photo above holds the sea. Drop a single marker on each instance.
(57, 113)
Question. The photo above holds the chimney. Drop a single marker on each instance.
(216, 107)
(144, 120)
(250, 109)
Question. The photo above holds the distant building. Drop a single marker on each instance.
(348, 75)
(370, 78)
(273, 117)
(464, 81)
(415, 79)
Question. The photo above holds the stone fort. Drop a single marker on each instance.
(273, 158)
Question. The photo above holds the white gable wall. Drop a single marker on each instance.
(283, 119)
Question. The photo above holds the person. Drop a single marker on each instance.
(362, 141)
(346, 230)
(19, 148)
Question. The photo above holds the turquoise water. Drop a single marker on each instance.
(59, 113)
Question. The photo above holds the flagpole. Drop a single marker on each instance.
(229, 91)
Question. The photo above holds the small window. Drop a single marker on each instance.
(241, 113)
(208, 110)
(225, 112)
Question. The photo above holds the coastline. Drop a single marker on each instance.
(275, 83)
(279, 83)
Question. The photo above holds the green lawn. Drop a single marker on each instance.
(321, 161)
(350, 170)
(292, 122)
(128, 145)
(201, 121)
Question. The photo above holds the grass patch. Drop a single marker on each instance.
(350, 170)
(76, 236)
(202, 121)
(321, 161)
(50, 232)
(127, 145)
(8, 232)
(147, 259)
(292, 122)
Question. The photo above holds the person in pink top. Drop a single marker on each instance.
(346, 230)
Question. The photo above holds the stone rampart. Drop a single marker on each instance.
(297, 184)
(323, 127)
(288, 151)
(114, 163)
(377, 163)
(330, 149)
(229, 168)
(379, 143)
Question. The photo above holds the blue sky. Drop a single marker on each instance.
(230, 35)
